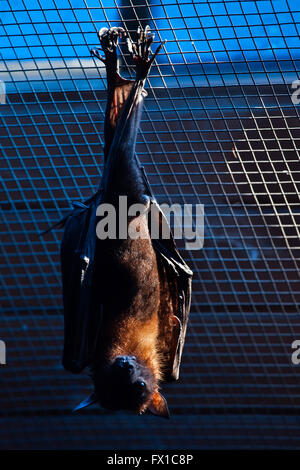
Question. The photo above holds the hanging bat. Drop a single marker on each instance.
(126, 301)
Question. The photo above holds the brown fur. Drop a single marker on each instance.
(130, 281)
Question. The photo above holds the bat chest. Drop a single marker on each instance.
(127, 277)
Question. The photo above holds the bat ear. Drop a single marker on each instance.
(158, 406)
(85, 403)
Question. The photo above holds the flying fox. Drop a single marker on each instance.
(126, 301)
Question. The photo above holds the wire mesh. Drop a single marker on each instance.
(219, 128)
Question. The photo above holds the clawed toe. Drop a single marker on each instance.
(96, 52)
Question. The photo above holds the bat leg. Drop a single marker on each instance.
(122, 173)
(118, 87)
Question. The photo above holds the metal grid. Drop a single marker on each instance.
(219, 128)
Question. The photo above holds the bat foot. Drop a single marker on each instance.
(141, 51)
(109, 39)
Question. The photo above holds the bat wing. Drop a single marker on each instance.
(82, 310)
(176, 290)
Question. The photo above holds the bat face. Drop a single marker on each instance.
(125, 384)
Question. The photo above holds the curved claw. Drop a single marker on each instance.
(157, 51)
(95, 52)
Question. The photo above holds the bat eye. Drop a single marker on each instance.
(141, 385)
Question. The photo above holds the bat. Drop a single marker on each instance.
(126, 301)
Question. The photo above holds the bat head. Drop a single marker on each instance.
(128, 384)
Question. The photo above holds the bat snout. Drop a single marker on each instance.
(125, 362)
